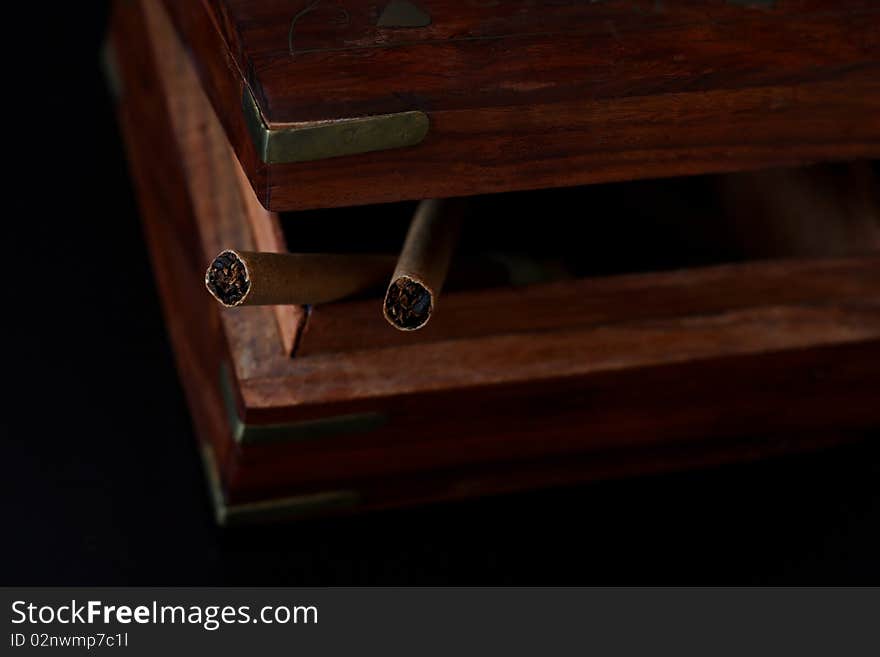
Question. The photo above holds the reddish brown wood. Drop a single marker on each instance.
(522, 53)
(265, 229)
(568, 305)
(174, 241)
(191, 196)
(536, 94)
(228, 212)
(493, 479)
(641, 374)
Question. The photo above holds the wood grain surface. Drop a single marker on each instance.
(624, 375)
(541, 94)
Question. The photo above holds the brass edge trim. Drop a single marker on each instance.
(255, 124)
(215, 488)
(110, 68)
(282, 508)
(325, 427)
(320, 140)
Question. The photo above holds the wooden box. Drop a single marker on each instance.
(229, 107)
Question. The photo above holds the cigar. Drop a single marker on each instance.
(247, 278)
(423, 264)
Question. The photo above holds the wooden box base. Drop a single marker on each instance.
(304, 411)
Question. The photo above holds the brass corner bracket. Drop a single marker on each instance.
(325, 427)
(319, 140)
(282, 509)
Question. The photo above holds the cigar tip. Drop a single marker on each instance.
(227, 279)
(408, 304)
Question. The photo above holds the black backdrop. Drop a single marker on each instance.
(101, 482)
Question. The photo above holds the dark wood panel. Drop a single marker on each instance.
(330, 383)
(531, 95)
(357, 325)
(693, 403)
(585, 142)
(495, 478)
(222, 83)
(518, 53)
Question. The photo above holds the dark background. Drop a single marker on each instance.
(101, 481)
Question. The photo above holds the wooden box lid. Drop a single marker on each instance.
(343, 102)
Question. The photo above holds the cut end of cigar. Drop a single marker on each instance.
(227, 279)
(408, 304)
